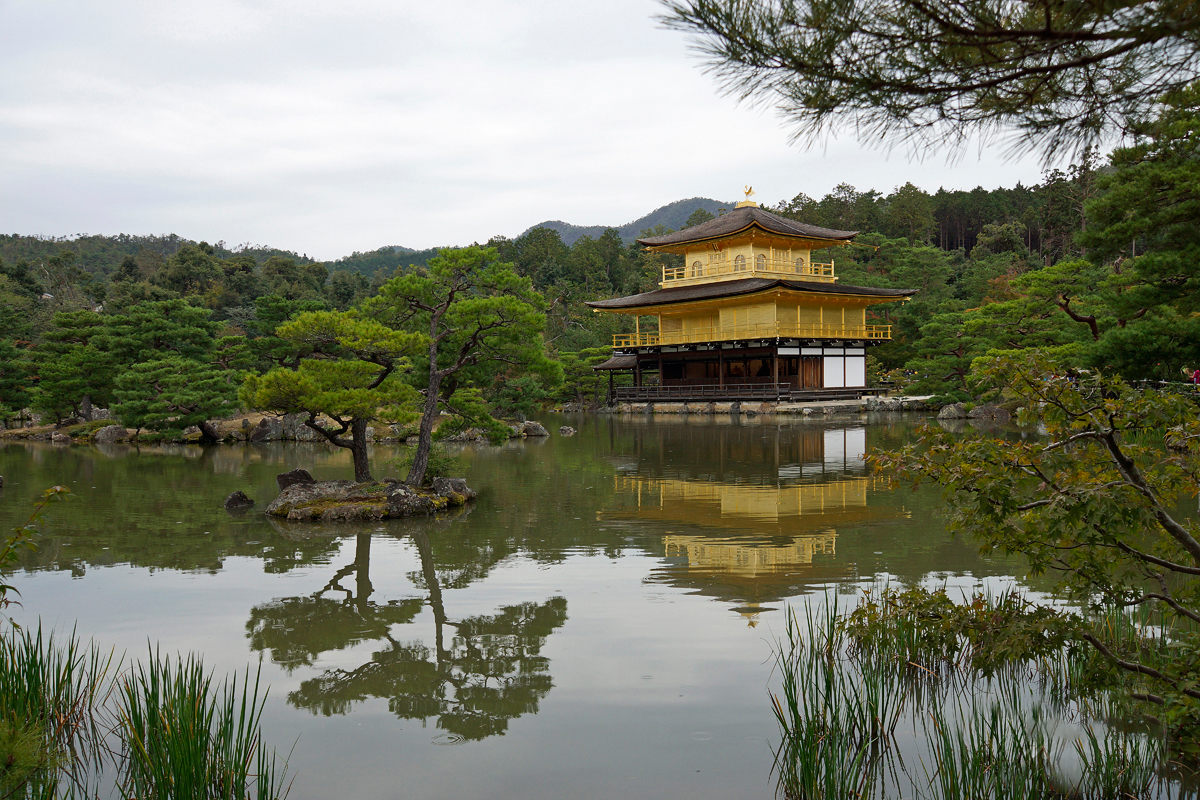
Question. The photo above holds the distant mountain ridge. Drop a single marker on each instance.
(672, 215)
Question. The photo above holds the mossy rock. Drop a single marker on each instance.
(347, 501)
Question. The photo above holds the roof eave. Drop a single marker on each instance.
(752, 224)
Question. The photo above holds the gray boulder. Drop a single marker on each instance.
(268, 429)
(110, 434)
(465, 436)
(237, 500)
(60, 438)
(444, 486)
(953, 411)
(298, 475)
(989, 412)
(566, 430)
(295, 430)
(531, 428)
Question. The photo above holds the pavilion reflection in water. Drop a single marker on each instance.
(754, 544)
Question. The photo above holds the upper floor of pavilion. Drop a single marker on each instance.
(748, 242)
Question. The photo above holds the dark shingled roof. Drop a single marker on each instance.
(740, 219)
(618, 362)
(710, 291)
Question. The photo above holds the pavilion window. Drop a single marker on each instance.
(800, 264)
(760, 262)
(739, 264)
(697, 269)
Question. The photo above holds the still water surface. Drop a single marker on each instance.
(598, 625)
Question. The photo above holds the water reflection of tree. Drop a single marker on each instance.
(298, 629)
(476, 675)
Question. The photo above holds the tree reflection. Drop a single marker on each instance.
(298, 629)
(476, 675)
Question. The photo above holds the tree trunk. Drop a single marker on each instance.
(358, 449)
(362, 573)
(416, 475)
(421, 538)
(85, 408)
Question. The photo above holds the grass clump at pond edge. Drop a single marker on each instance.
(51, 697)
(893, 701)
(71, 720)
(186, 736)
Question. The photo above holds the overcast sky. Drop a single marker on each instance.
(328, 127)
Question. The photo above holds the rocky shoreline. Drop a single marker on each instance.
(291, 428)
(243, 428)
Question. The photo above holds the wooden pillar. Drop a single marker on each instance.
(775, 366)
(660, 370)
(637, 372)
(610, 388)
(721, 368)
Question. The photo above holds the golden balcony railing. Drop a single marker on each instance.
(725, 333)
(737, 268)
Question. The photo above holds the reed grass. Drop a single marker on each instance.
(1011, 730)
(187, 736)
(51, 695)
(71, 723)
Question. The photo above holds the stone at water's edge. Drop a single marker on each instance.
(989, 411)
(285, 479)
(953, 411)
(347, 501)
(566, 430)
(238, 500)
(109, 434)
(268, 429)
(531, 428)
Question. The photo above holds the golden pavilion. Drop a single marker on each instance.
(749, 315)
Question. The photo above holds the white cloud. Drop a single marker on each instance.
(328, 128)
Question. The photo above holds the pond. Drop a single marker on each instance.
(599, 624)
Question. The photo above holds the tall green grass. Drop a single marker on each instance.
(72, 724)
(51, 696)
(892, 703)
(187, 736)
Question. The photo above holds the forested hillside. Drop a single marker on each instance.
(1096, 264)
(672, 215)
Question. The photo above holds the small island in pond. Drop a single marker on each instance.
(302, 499)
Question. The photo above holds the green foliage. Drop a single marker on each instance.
(524, 396)
(916, 661)
(16, 381)
(581, 383)
(351, 372)
(22, 538)
(442, 462)
(154, 329)
(186, 736)
(51, 734)
(477, 316)
(71, 365)
(469, 410)
(173, 393)
(934, 74)
(1093, 504)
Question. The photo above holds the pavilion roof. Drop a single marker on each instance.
(744, 218)
(712, 291)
